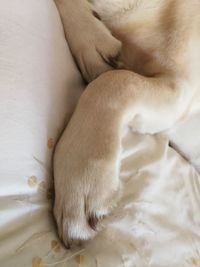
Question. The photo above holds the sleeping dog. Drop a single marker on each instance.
(157, 91)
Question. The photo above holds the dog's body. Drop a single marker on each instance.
(161, 47)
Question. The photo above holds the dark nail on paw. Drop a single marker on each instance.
(96, 15)
(92, 221)
(112, 61)
(67, 246)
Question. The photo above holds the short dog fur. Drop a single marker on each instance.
(159, 91)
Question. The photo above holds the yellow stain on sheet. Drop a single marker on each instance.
(55, 246)
(50, 143)
(37, 262)
(195, 262)
(79, 259)
(32, 181)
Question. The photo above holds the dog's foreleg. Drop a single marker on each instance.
(87, 158)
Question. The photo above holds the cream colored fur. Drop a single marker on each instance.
(160, 92)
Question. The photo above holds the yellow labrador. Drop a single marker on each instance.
(160, 92)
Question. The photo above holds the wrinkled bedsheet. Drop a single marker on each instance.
(157, 222)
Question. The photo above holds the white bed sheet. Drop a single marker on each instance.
(157, 223)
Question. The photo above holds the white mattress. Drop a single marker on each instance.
(157, 223)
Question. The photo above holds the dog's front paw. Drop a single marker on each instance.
(86, 190)
(94, 48)
(92, 44)
(99, 54)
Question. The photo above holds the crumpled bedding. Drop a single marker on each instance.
(157, 222)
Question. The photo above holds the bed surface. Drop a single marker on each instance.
(157, 223)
